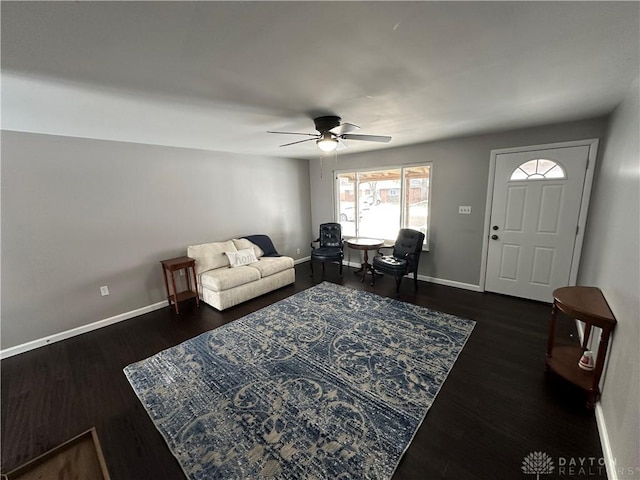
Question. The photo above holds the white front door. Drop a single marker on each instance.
(535, 211)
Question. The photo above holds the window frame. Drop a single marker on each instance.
(537, 177)
(402, 167)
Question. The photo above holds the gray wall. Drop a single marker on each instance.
(460, 176)
(611, 261)
(78, 214)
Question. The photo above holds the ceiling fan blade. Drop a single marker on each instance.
(341, 145)
(344, 128)
(299, 141)
(367, 138)
(296, 133)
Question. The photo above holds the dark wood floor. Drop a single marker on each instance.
(495, 408)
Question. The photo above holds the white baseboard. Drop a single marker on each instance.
(438, 281)
(450, 283)
(40, 342)
(25, 347)
(607, 453)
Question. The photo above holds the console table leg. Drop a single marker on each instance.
(195, 284)
(552, 328)
(166, 285)
(175, 294)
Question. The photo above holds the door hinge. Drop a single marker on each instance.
(587, 167)
(577, 229)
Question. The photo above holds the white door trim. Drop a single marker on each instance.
(592, 143)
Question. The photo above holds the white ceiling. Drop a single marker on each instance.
(218, 75)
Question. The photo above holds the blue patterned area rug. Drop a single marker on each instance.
(330, 383)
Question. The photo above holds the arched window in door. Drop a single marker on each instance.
(538, 169)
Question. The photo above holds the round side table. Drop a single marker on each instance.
(365, 244)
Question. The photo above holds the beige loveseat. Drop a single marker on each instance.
(223, 286)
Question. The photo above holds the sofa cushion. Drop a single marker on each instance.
(225, 278)
(390, 264)
(242, 243)
(210, 255)
(270, 265)
(241, 257)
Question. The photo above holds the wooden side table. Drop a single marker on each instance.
(176, 264)
(365, 244)
(588, 305)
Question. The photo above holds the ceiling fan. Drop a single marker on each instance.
(332, 132)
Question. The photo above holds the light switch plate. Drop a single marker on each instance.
(465, 210)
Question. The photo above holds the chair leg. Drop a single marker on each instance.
(373, 277)
(341, 268)
(311, 263)
(398, 280)
(415, 279)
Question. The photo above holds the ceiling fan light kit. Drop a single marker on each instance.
(331, 133)
(327, 143)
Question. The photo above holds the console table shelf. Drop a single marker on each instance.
(588, 305)
(564, 360)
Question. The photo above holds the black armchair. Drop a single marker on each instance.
(403, 260)
(330, 246)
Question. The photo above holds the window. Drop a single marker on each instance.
(377, 203)
(538, 169)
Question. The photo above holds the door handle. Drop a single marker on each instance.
(494, 237)
(495, 227)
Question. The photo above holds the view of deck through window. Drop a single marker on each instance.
(377, 203)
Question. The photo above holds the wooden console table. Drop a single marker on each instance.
(176, 264)
(588, 305)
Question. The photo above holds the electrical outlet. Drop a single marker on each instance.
(104, 291)
(297, 251)
(182, 273)
(465, 210)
